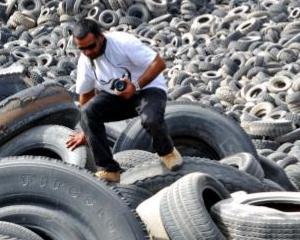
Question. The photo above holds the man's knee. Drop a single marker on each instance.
(87, 110)
(152, 124)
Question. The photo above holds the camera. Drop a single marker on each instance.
(118, 84)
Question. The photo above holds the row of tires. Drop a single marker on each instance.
(197, 206)
(54, 199)
(196, 131)
(59, 201)
(26, 133)
(42, 184)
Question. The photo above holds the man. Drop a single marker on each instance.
(104, 58)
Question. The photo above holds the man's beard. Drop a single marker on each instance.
(101, 50)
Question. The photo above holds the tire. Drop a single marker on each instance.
(293, 173)
(153, 176)
(245, 162)
(270, 128)
(108, 18)
(287, 161)
(179, 91)
(289, 137)
(133, 195)
(131, 158)
(44, 221)
(185, 207)
(47, 141)
(273, 184)
(259, 216)
(11, 231)
(29, 180)
(265, 144)
(196, 131)
(11, 83)
(140, 11)
(46, 103)
(276, 173)
(149, 212)
(31, 8)
(113, 130)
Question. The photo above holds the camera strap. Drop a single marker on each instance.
(94, 69)
(124, 68)
(128, 73)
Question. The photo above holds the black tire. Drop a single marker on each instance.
(47, 103)
(273, 184)
(133, 195)
(131, 158)
(37, 181)
(196, 131)
(153, 176)
(259, 216)
(293, 173)
(114, 130)
(276, 173)
(265, 144)
(287, 161)
(47, 141)
(245, 162)
(44, 221)
(11, 83)
(179, 91)
(289, 137)
(31, 8)
(185, 207)
(11, 231)
(108, 18)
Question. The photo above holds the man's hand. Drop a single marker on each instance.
(128, 92)
(76, 140)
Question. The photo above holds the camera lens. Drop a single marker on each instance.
(120, 85)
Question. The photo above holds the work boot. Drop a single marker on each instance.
(172, 160)
(109, 176)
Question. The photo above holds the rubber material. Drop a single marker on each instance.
(28, 180)
(212, 134)
(48, 141)
(11, 231)
(185, 207)
(259, 216)
(154, 176)
(47, 103)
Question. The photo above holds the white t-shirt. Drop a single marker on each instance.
(122, 51)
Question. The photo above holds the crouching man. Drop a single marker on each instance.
(127, 75)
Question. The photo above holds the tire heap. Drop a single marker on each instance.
(233, 89)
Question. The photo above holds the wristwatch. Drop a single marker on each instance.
(136, 85)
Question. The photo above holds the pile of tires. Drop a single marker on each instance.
(197, 206)
(59, 201)
(42, 179)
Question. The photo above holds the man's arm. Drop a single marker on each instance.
(78, 138)
(152, 71)
(85, 97)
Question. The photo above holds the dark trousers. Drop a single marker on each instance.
(149, 104)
